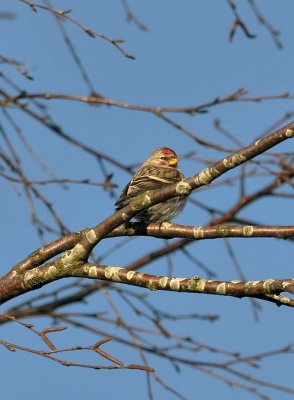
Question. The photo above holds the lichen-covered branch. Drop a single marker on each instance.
(269, 289)
(168, 230)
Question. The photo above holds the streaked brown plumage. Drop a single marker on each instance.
(158, 171)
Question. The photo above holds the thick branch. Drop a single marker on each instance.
(168, 230)
(269, 289)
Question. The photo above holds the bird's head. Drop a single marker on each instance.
(163, 157)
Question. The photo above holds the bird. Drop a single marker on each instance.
(157, 172)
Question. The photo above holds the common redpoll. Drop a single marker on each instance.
(158, 171)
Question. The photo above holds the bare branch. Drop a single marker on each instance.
(65, 14)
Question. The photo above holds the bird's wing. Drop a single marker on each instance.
(123, 198)
(148, 178)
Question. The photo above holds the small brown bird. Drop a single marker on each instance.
(158, 171)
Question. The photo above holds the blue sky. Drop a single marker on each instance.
(183, 59)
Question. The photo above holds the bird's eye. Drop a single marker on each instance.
(163, 158)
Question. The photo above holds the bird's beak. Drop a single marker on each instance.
(172, 162)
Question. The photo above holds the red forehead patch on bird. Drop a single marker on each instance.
(168, 152)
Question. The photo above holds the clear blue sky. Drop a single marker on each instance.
(184, 59)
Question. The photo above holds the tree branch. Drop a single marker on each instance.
(269, 289)
(236, 96)
(20, 279)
